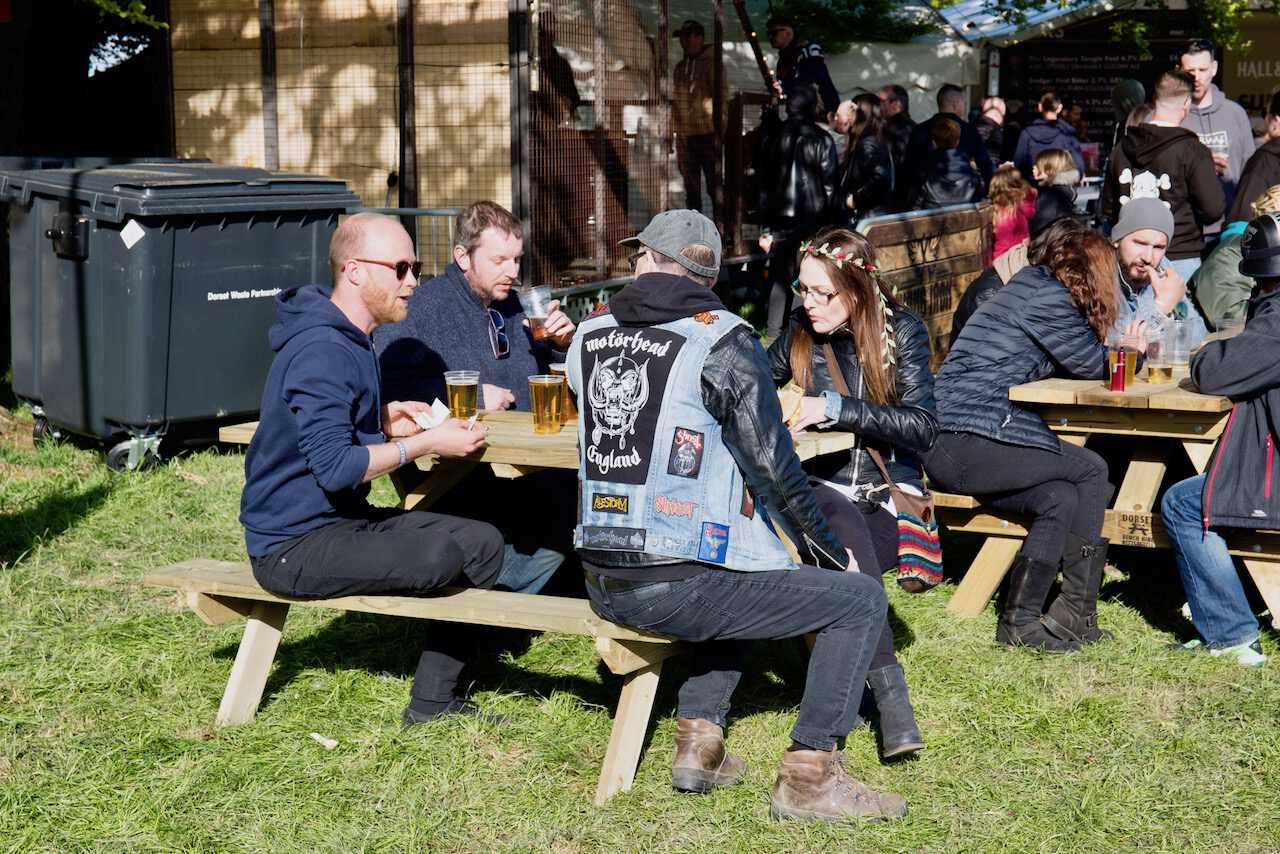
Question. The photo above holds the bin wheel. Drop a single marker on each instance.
(44, 430)
(118, 457)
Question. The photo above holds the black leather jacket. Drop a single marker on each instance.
(897, 432)
(799, 171)
(867, 175)
(739, 393)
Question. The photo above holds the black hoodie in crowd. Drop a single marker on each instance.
(1194, 193)
(1260, 174)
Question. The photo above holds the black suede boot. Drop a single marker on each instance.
(1074, 614)
(1029, 583)
(899, 733)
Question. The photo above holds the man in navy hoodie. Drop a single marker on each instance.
(324, 434)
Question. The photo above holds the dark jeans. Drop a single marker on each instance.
(782, 272)
(696, 158)
(393, 552)
(1062, 492)
(846, 609)
(871, 533)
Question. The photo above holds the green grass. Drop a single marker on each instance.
(108, 692)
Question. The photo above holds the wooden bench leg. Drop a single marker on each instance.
(629, 725)
(983, 577)
(253, 663)
(1266, 576)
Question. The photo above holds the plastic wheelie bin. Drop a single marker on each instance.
(141, 295)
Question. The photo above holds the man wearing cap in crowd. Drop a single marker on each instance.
(1151, 291)
(1235, 492)
(799, 62)
(693, 114)
(686, 477)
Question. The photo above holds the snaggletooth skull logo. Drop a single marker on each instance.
(618, 390)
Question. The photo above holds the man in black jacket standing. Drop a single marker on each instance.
(1236, 490)
(953, 105)
(1161, 160)
(687, 474)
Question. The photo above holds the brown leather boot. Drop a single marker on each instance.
(701, 761)
(813, 785)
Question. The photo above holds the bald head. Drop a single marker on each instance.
(355, 236)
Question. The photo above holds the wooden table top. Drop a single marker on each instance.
(513, 442)
(1168, 397)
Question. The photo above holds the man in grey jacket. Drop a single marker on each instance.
(1222, 125)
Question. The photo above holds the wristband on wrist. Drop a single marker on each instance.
(404, 456)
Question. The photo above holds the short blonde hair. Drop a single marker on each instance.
(1268, 202)
(1054, 161)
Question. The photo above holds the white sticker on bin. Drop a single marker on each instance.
(132, 233)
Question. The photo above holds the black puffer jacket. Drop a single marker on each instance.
(1242, 487)
(738, 391)
(897, 432)
(1260, 173)
(1028, 331)
(798, 172)
(867, 175)
(949, 179)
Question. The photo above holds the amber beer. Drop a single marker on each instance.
(462, 387)
(568, 411)
(1158, 374)
(538, 327)
(545, 391)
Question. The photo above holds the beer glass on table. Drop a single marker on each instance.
(1122, 358)
(1159, 371)
(462, 387)
(535, 302)
(568, 411)
(545, 392)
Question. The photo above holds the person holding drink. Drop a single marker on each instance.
(1051, 318)
(863, 362)
(468, 339)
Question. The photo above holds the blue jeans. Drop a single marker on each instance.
(846, 609)
(1219, 608)
(527, 573)
(1184, 266)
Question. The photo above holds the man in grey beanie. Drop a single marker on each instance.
(1151, 291)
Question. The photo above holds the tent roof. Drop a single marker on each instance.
(976, 20)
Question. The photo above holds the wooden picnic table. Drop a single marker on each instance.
(1159, 419)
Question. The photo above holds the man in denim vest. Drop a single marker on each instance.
(687, 479)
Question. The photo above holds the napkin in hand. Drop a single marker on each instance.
(438, 414)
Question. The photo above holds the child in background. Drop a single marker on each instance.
(1015, 204)
(1055, 167)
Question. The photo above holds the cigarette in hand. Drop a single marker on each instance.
(471, 422)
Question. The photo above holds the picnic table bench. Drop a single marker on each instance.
(220, 591)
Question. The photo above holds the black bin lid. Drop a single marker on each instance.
(178, 189)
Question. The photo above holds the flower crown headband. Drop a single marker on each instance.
(839, 257)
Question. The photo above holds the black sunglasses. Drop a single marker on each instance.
(498, 340)
(401, 267)
(634, 258)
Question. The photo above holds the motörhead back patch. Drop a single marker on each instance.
(626, 373)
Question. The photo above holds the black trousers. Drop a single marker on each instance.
(871, 533)
(1066, 491)
(721, 609)
(696, 159)
(393, 552)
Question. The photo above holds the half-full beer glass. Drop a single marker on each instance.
(568, 411)
(535, 302)
(545, 391)
(462, 387)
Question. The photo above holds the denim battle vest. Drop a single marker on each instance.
(654, 473)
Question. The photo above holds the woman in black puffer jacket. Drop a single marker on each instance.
(866, 168)
(844, 313)
(1051, 318)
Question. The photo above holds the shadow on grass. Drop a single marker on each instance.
(20, 532)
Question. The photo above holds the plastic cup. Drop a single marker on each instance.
(568, 411)
(535, 301)
(463, 388)
(545, 391)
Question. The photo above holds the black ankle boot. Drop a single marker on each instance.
(1029, 583)
(1073, 616)
(898, 731)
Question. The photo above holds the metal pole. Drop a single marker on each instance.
(518, 62)
(766, 73)
(408, 119)
(664, 107)
(601, 133)
(717, 120)
(267, 55)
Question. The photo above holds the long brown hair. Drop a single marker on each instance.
(865, 295)
(869, 121)
(1085, 263)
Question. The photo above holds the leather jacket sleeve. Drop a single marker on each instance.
(780, 355)
(913, 423)
(739, 393)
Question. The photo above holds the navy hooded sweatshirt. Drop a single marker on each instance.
(320, 408)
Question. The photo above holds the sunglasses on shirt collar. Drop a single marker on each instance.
(498, 340)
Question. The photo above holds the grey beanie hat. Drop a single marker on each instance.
(1145, 212)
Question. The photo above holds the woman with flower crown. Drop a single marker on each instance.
(862, 361)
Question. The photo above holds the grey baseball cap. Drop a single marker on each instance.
(671, 231)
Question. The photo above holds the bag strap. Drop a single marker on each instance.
(837, 378)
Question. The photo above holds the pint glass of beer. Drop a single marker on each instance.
(462, 387)
(545, 391)
(535, 301)
(1159, 370)
(568, 411)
